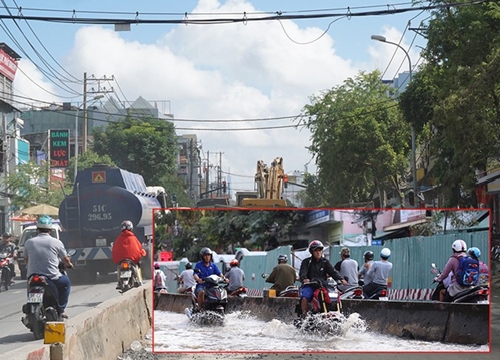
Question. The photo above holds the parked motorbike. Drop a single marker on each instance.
(127, 275)
(42, 305)
(215, 303)
(474, 294)
(325, 311)
(350, 292)
(240, 292)
(5, 275)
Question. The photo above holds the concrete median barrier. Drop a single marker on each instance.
(102, 333)
(419, 320)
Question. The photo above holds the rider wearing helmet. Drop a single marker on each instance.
(159, 278)
(9, 248)
(379, 273)
(484, 271)
(203, 269)
(282, 276)
(127, 246)
(235, 276)
(459, 248)
(186, 279)
(315, 267)
(368, 256)
(43, 253)
(347, 267)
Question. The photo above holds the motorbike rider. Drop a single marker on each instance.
(159, 274)
(315, 267)
(127, 246)
(283, 275)
(347, 267)
(43, 254)
(379, 273)
(459, 248)
(484, 271)
(204, 268)
(235, 276)
(186, 279)
(10, 249)
(368, 258)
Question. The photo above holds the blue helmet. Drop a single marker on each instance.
(45, 222)
(474, 252)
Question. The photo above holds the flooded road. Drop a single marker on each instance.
(241, 332)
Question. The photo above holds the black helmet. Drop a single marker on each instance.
(315, 244)
(205, 251)
(6, 235)
(189, 265)
(368, 255)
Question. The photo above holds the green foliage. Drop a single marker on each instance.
(144, 146)
(457, 93)
(28, 186)
(360, 141)
(188, 231)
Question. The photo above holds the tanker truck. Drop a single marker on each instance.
(102, 197)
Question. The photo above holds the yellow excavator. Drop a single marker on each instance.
(270, 183)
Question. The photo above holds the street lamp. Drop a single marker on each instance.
(413, 137)
(97, 97)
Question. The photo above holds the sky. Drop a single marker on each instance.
(235, 72)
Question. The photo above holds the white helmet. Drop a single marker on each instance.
(459, 246)
(385, 253)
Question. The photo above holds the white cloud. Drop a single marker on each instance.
(231, 71)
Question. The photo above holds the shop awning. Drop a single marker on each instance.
(488, 178)
(405, 224)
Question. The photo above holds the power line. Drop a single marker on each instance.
(245, 18)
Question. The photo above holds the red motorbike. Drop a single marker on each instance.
(5, 275)
(240, 292)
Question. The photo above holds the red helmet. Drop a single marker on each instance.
(234, 262)
(315, 244)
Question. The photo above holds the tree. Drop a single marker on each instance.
(145, 146)
(360, 141)
(457, 92)
(28, 186)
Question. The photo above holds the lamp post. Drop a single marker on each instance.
(97, 97)
(413, 137)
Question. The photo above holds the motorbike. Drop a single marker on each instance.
(5, 275)
(215, 302)
(474, 294)
(240, 292)
(290, 291)
(350, 292)
(380, 292)
(127, 275)
(325, 311)
(42, 305)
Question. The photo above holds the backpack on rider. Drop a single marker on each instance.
(468, 271)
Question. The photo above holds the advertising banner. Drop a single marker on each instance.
(59, 148)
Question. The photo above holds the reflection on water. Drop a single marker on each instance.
(241, 332)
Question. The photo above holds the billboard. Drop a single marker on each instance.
(59, 148)
(8, 65)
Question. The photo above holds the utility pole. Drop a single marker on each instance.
(207, 173)
(100, 90)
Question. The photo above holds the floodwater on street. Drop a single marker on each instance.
(174, 332)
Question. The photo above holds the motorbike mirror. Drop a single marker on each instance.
(264, 275)
(71, 252)
(433, 266)
(197, 271)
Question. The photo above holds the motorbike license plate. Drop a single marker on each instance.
(126, 274)
(384, 298)
(35, 297)
(100, 242)
(483, 302)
